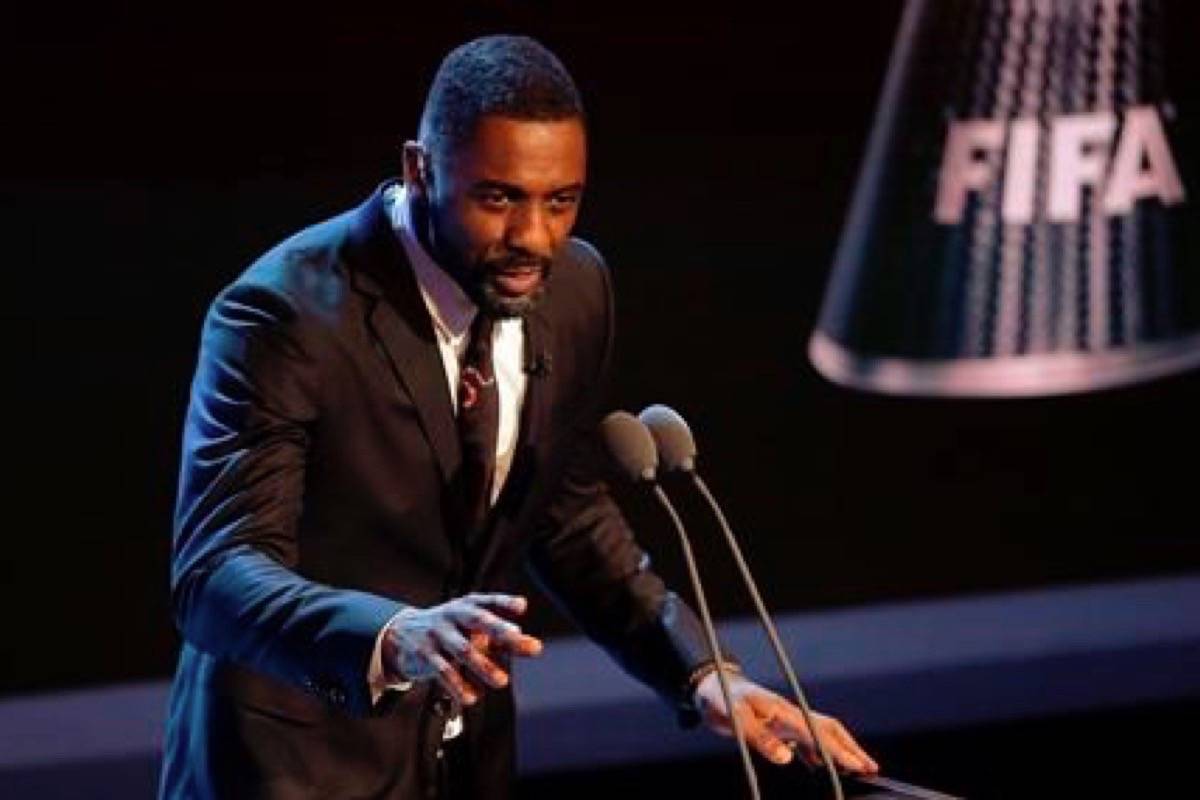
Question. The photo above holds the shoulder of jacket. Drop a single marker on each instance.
(303, 273)
(584, 253)
(581, 268)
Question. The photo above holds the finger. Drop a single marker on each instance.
(503, 634)
(759, 736)
(512, 603)
(785, 720)
(521, 645)
(486, 670)
(790, 724)
(843, 735)
(451, 680)
(476, 619)
(479, 665)
(842, 749)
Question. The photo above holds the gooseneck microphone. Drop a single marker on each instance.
(632, 448)
(677, 452)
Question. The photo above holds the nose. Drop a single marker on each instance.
(529, 230)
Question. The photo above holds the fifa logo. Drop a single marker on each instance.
(1080, 155)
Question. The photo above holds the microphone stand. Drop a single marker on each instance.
(710, 634)
(772, 634)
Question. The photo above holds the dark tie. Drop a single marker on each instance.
(478, 422)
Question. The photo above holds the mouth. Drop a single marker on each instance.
(517, 281)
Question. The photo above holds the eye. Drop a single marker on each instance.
(561, 203)
(494, 199)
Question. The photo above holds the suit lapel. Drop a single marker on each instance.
(398, 320)
(540, 389)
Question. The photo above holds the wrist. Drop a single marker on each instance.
(392, 650)
(702, 672)
(689, 709)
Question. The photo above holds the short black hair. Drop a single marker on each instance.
(508, 76)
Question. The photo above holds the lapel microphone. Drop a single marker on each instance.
(539, 366)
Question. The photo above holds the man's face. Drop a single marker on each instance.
(501, 205)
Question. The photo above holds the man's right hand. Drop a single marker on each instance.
(452, 643)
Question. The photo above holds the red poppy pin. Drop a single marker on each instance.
(472, 385)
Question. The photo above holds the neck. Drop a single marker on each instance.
(423, 228)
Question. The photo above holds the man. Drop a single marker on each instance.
(391, 410)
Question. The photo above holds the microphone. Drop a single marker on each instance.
(672, 437)
(677, 450)
(539, 366)
(632, 448)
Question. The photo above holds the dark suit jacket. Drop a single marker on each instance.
(319, 493)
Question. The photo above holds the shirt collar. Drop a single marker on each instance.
(452, 311)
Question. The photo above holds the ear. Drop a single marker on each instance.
(416, 168)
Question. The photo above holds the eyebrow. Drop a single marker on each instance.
(509, 188)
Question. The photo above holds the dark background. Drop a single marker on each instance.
(151, 152)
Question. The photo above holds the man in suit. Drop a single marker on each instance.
(391, 411)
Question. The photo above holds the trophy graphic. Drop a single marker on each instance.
(1026, 221)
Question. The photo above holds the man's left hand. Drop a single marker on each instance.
(773, 726)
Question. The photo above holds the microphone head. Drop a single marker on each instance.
(676, 446)
(630, 445)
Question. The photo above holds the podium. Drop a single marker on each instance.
(880, 788)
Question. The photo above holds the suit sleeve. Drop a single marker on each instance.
(236, 592)
(586, 556)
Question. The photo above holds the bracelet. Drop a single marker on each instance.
(701, 672)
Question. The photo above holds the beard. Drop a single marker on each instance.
(479, 277)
